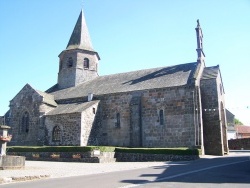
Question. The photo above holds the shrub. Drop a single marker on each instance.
(35, 149)
(169, 151)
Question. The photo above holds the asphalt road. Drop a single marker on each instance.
(208, 172)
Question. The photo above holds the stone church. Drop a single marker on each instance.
(173, 106)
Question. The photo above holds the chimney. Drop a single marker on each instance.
(90, 97)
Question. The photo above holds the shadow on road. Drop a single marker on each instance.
(229, 169)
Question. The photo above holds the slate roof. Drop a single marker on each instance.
(172, 76)
(47, 98)
(71, 108)
(210, 72)
(80, 38)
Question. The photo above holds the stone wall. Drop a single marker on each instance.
(178, 119)
(78, 128)
(237, 144)
(139, 118)
(90, 126)
(2, 122)
(70, 129)
(214, 119)
(104, 157)
(86, 157)
(140, 157)
(76, 74)
(30, 102)
(111, 132)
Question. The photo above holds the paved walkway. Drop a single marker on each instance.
(44, 169)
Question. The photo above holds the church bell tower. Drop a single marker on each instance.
(78, 63)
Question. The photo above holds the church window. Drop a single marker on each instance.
(56, 134)
(161, 117)
(118, 120)
(25, 122)
(86, 63)
(70, 62)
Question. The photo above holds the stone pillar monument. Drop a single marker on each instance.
(4, 138)
(8, 161)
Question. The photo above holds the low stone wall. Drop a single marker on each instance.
(140, 157)
(238, 144)
(12, 162)
(103, 157)
(87, 157)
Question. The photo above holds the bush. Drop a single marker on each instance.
(169, 151)
(58, 148)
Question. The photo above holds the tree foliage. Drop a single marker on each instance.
(237, 122)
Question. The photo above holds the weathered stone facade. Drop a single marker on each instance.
(174, 106)
(139, 118)
(214, 126)
(75, 128)
(26, 117)
(74, 74)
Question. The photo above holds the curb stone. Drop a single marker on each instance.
(22, 178)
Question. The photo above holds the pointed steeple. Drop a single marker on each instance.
(79, 62)
(80, 38)
(199, 35)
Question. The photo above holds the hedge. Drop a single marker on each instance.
(59, 148)
(169, 151)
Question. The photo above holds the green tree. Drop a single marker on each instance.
(237, 122)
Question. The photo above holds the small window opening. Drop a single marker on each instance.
(118, 120)
(86, 63)
(93, 110)
(70, 62)
(161, 117)
(25, 122)
(56, 134)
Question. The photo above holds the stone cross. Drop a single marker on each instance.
(4, 138)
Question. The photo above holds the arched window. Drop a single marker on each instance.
(56, 134)
(118, 120)
(161, 117)
(70, 62)
(86, 63)
(25, 122)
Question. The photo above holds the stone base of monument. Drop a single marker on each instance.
(8, 162)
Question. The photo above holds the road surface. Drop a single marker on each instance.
(230, 171)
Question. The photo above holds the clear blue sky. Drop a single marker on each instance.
(128, 35)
